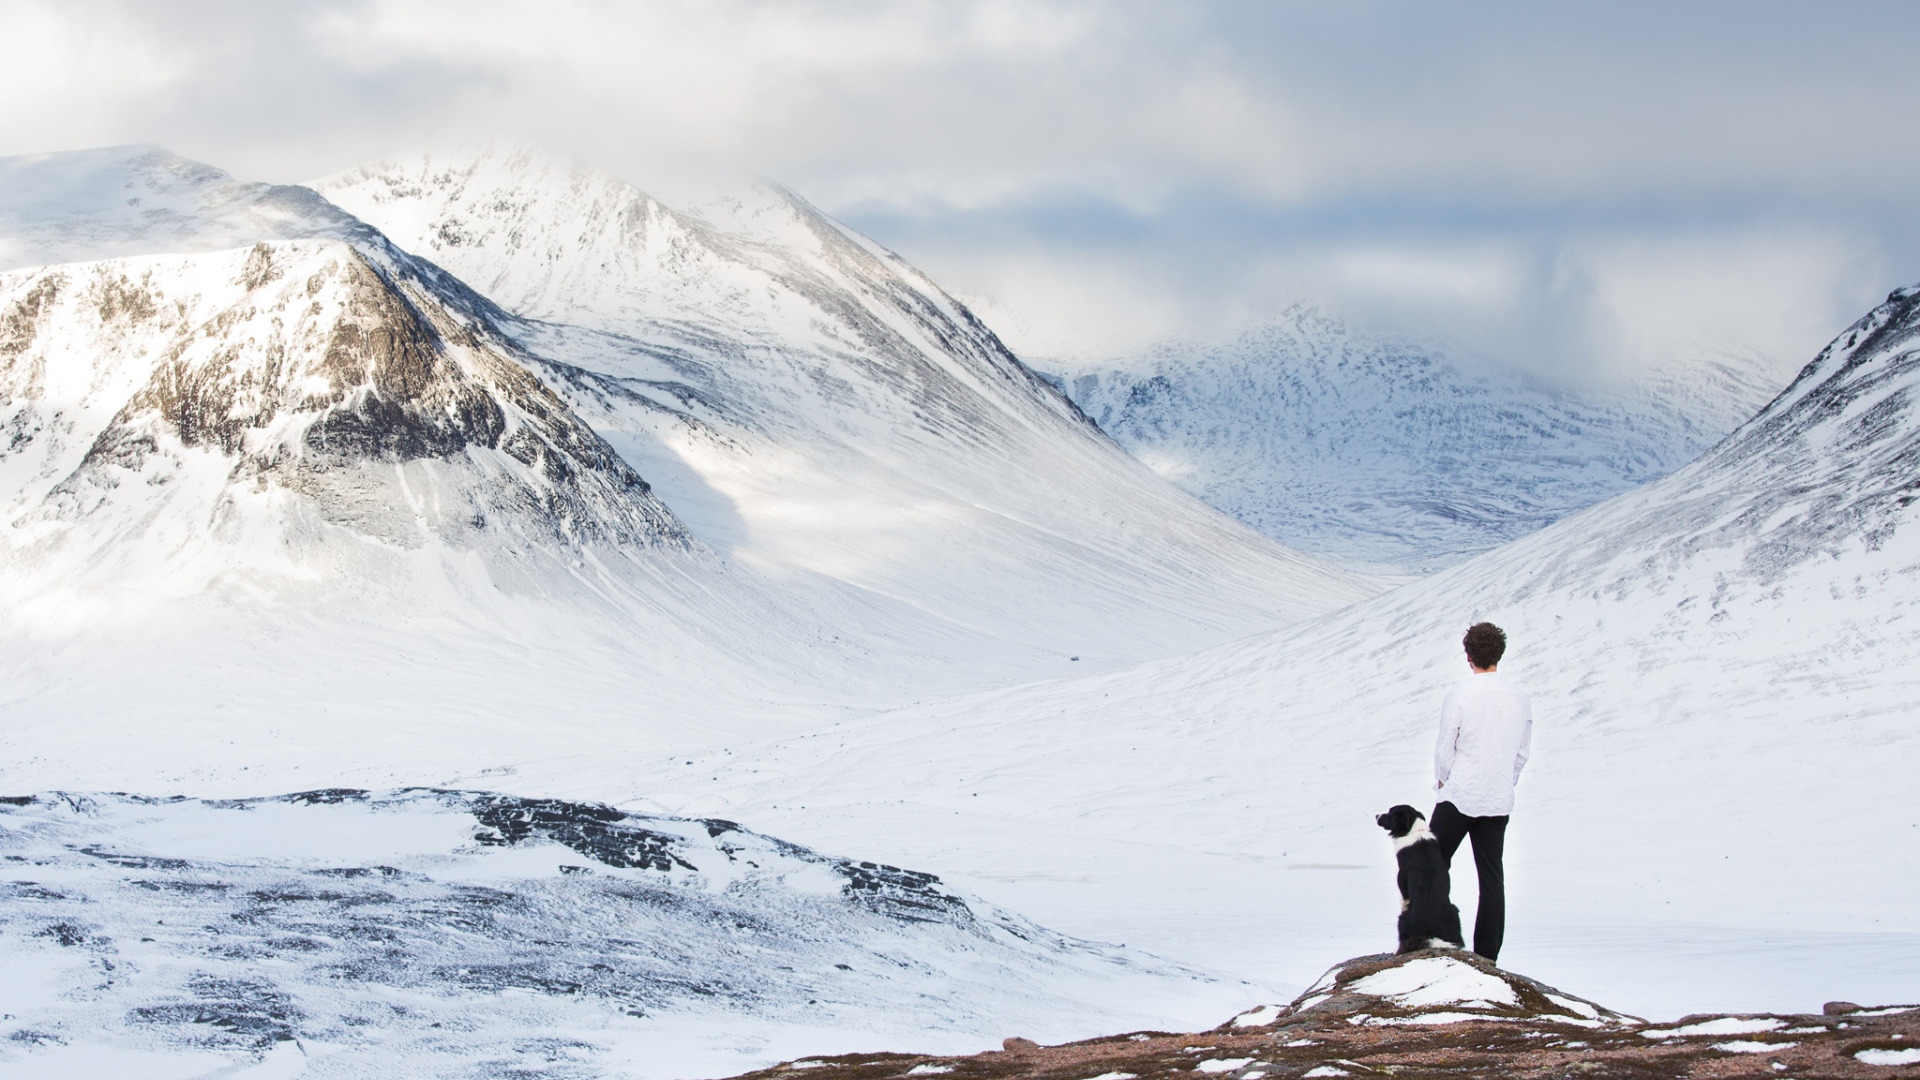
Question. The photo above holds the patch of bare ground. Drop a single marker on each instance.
(1439, 1013)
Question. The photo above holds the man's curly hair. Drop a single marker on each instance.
(1485, 643)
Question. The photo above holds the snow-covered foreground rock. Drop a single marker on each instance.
(1366, 449)
(429, 933)
(1439, 1014)
(282, 504)
(1722, 678)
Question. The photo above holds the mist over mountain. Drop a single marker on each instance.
(120, 201)
(285, 502)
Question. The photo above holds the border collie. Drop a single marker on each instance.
(1428, 919)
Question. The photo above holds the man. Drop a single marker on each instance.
(1486, 727)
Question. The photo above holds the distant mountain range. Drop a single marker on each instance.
(1396, 454)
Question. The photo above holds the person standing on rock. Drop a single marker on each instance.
(1486, 729)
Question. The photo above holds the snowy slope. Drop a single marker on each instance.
(818, 410)
(1367, 449)
(1722, 672)
(427, 933)
(294, 480)
(306, 507)
(269, 479)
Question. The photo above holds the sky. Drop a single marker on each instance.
(1574, 189)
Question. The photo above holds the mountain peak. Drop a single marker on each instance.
(300, 367)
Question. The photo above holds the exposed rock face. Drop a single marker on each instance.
(305, 367)
(1440, 1013)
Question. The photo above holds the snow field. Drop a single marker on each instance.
(890, 523)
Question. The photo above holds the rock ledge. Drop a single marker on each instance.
(1440, 1013)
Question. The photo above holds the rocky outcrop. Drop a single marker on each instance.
(311, 367)
(1440, 1013)
(437, 933)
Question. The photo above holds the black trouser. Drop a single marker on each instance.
(1450, 826)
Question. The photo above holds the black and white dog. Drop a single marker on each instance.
(1428, 919)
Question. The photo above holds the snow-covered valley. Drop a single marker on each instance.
(1719, 667)
(482, 472)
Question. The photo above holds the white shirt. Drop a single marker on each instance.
(1486, 728)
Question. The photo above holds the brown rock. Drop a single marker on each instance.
(1544, 1034)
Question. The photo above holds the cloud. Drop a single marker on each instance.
(1574, 296)
(917, 99)
(1781, 291)
(1539, 181)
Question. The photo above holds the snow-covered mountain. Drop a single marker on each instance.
(289, 504)
(429, 933)
(1368, 449)
(816, 408)
(1721, 666)
(269, 477)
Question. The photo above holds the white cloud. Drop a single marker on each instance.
(1593, 303)
(61, 77)
(1780, 292)
(1555, 184)
(1476, 277)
